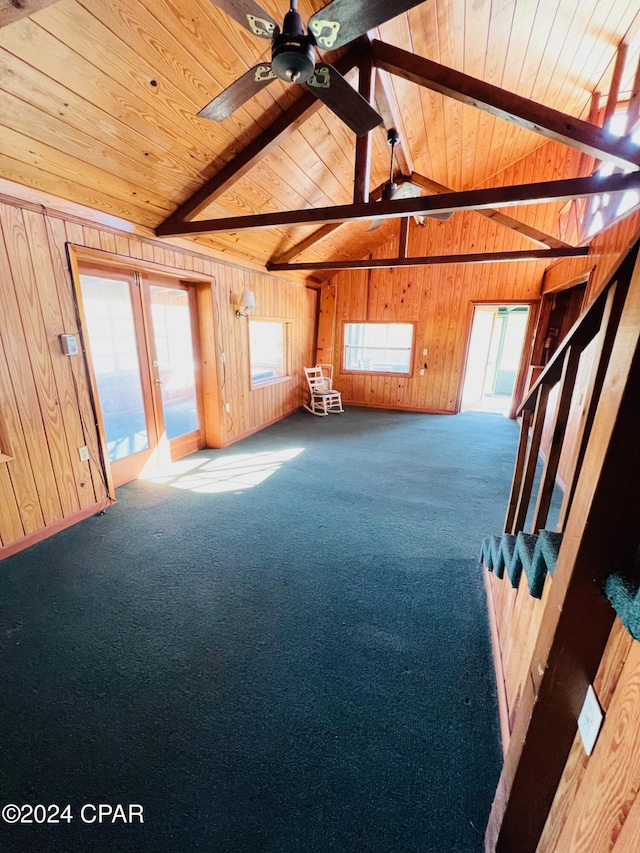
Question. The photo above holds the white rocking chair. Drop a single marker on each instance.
(324, 399)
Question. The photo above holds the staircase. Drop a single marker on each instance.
(536, 554)
(557, 633)
(516, 609)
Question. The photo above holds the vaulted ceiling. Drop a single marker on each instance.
(99, 103)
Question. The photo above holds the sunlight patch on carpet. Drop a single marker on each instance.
(229, 473)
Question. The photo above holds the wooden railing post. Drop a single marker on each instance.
(518, 472)
(606, 335)
(532, 459)
(560, 419)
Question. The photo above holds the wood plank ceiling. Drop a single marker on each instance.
(98, 104)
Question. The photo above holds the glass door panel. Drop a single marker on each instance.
(141, 338)
(174, 360)
(111, 329)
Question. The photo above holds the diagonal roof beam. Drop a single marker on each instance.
(290, 120)
(387, 105)
(321, 234)
(429, 260)
(545, 191)
(496, 216)
(12, 10)
(318, 236)
(506, 105)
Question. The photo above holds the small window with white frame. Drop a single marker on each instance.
(268, 350)
(378, 348)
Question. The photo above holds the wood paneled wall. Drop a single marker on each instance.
(46, 412)
(439, 300)
(597, 804)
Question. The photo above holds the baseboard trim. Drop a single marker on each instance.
(420, 410)
(253, 430)
(51, 529)
(503, 707)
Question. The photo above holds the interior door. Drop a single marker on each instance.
(478, 355)
(140, 334)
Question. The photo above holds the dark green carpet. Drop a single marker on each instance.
(298, 667)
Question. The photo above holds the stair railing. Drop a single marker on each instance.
(600, 320)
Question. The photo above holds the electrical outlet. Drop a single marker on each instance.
(227, 407)
(422, 371)
(83, 453)
(590, 720)
(425, 351)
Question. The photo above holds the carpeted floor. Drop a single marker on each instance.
(281, 647)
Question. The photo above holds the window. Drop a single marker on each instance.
(603, 209)
(268, 350)
(378, 347)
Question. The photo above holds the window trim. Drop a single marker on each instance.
(274, 380)
(345, 370)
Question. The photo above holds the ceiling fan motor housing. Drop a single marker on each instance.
(293, 56)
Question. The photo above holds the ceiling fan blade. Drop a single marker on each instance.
(343, 21)
(443, 216)
(332, 89)
(238, 93)
(250, 15)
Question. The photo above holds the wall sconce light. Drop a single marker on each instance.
(247, 304)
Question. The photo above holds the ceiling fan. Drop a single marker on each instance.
(293, 55)
(393, 191)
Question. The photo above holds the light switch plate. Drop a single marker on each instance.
(590, 720)
(69, 344)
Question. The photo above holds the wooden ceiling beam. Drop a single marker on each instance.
(543, 192)
(312, 240)
(430, 185)
(362, 171)
(616, 80)
(633, 107)
(506, 105)
(290, 120)
(403, 238)
(430, 260)
(13, 10)
(321, 234)
(496, 216)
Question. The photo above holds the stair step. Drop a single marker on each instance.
(535, 554)
(624, 594)
(549, 544)
(522, 557)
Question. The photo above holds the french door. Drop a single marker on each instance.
(141, 337)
